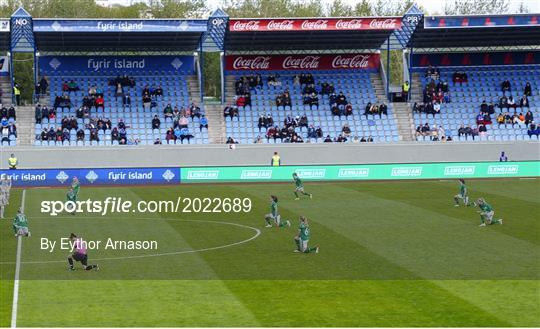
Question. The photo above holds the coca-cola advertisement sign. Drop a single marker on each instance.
(315, 24)
(302, 62)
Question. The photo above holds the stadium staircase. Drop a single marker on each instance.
(25, 125)
(404, 120)
(5, 87)
(216, 123)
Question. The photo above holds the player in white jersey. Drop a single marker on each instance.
(3, 203)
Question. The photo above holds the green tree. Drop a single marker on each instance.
(476, 7)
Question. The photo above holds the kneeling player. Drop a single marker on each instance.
(486, 213)
(299, 187)
(302, 239)
(20, 224)
(79, 254)
(462, 195)
(274, 216)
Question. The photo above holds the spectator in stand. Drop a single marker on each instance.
(203, 123)
(119, 92)
(529, 117)
(482, 130)
(459, 77)
(533, 129)
(100, 102)
(170, 135)
(503, 102)
(231, 112)
(156, 123)
(72, 86)
(92, 91)
(146, 101)
(506, 86)
(271, 133)
(313, 101)
(195, 111)
(511, 103)
(527, 91)
(524, 102)
(231, 140)
(328, 139)
(80, 135)
(183, 122)
(168, 112)
(346, 130)
(185, 134)
(126, 100)
(273, 80)
(303, 122)
(383, 109)
(262, 122)
(158, 91)
(335, 110)
(94, 135)
(348, 110)
(157, 141)
(43, 85)
(341, 100)
(500, 119)
(38, 113)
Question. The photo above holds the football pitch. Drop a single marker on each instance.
(391, 254)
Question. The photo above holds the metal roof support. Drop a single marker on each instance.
(388, 69)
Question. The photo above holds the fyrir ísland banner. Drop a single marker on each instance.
(133, 64)
(302, 62)
(92, 177)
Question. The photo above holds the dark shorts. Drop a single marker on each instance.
(80, 258)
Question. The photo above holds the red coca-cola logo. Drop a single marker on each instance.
(306, 62)
(389, 23)
(320, 24)
(246, 26)
(255, 63)
(355, 62)
(280, 25)
(352, 24)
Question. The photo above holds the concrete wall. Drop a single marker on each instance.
(298, 154)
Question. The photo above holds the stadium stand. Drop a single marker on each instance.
(136, 117)
(355, 85)
(466, 99)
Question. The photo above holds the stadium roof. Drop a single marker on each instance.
(290, 34)
(118, 34)
(476, 31)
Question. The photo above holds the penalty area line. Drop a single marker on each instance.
(17, 273)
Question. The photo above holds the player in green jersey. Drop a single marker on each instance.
(302, 239)
(20, 224)
(486, 213)
(299, 187)
(463, 194)
(71, 196)
(76, 186)
(274, 217)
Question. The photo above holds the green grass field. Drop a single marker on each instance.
(392, 254)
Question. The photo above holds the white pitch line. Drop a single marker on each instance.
(17, 271)
(257, 233)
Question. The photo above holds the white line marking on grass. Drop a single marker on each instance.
(17, 271)
(256, 235)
